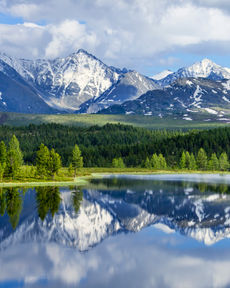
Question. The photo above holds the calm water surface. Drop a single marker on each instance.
(120, 231)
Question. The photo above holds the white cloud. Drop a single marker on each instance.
(122, 33)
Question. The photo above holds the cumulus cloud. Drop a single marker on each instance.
(32, 41)
(122, 33)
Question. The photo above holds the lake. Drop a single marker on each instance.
(119, 231)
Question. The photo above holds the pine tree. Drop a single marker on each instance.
(2, 170)
(147, 163)
(162, 162)
(202, 159)
(42, 161)
(121, 163)
(155, 161)
(192, 162)
(115, 163)
(3, 153)
(214, 162)
(14, 158)
(14, 145)
(54, 163)
(223, 162)
(70, 169)
(187, 159)
(77, 159)
(183, 161)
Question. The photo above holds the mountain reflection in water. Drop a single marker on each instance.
(55, 225)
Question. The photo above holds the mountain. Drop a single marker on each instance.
(65, 83)
(81, 83)
(183, 97)
(16, 95)
(130, 86)
(205, 69)
(162, 75)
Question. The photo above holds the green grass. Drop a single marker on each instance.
(150, 122)
(85, 174)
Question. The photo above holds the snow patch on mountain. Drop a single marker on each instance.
(162, 75)
(211, 111)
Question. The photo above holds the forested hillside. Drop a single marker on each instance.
(100, 145)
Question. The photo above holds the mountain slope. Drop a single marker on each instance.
(130, 86)
(188, 95)
(16, 95)
(65, 83)
(205, 69)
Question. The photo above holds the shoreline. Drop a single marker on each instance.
(82, 180)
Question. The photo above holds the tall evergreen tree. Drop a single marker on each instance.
(14, 158)
(115, 163)
(162, 162)
(77, 159)
(155, 163)
(3, 153)
(192, 162)
(202, 159)
(223, 162)
(42, 161)
(54, 163)
(187, 159)
(214, 163)
(147, 163)
(183, 161)
(14, 145)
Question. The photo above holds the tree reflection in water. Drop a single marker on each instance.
(48, 200)
(13, 205)
(77, 197)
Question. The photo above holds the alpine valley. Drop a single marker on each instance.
(81, 83)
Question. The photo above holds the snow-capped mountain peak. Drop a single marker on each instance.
(204, 69)
(162, 75)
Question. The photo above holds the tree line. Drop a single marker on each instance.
(47, 162)
(116, 145)
(190, 162)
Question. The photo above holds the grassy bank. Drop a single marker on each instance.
(85, 174)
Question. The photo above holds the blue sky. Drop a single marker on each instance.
(146, 35)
